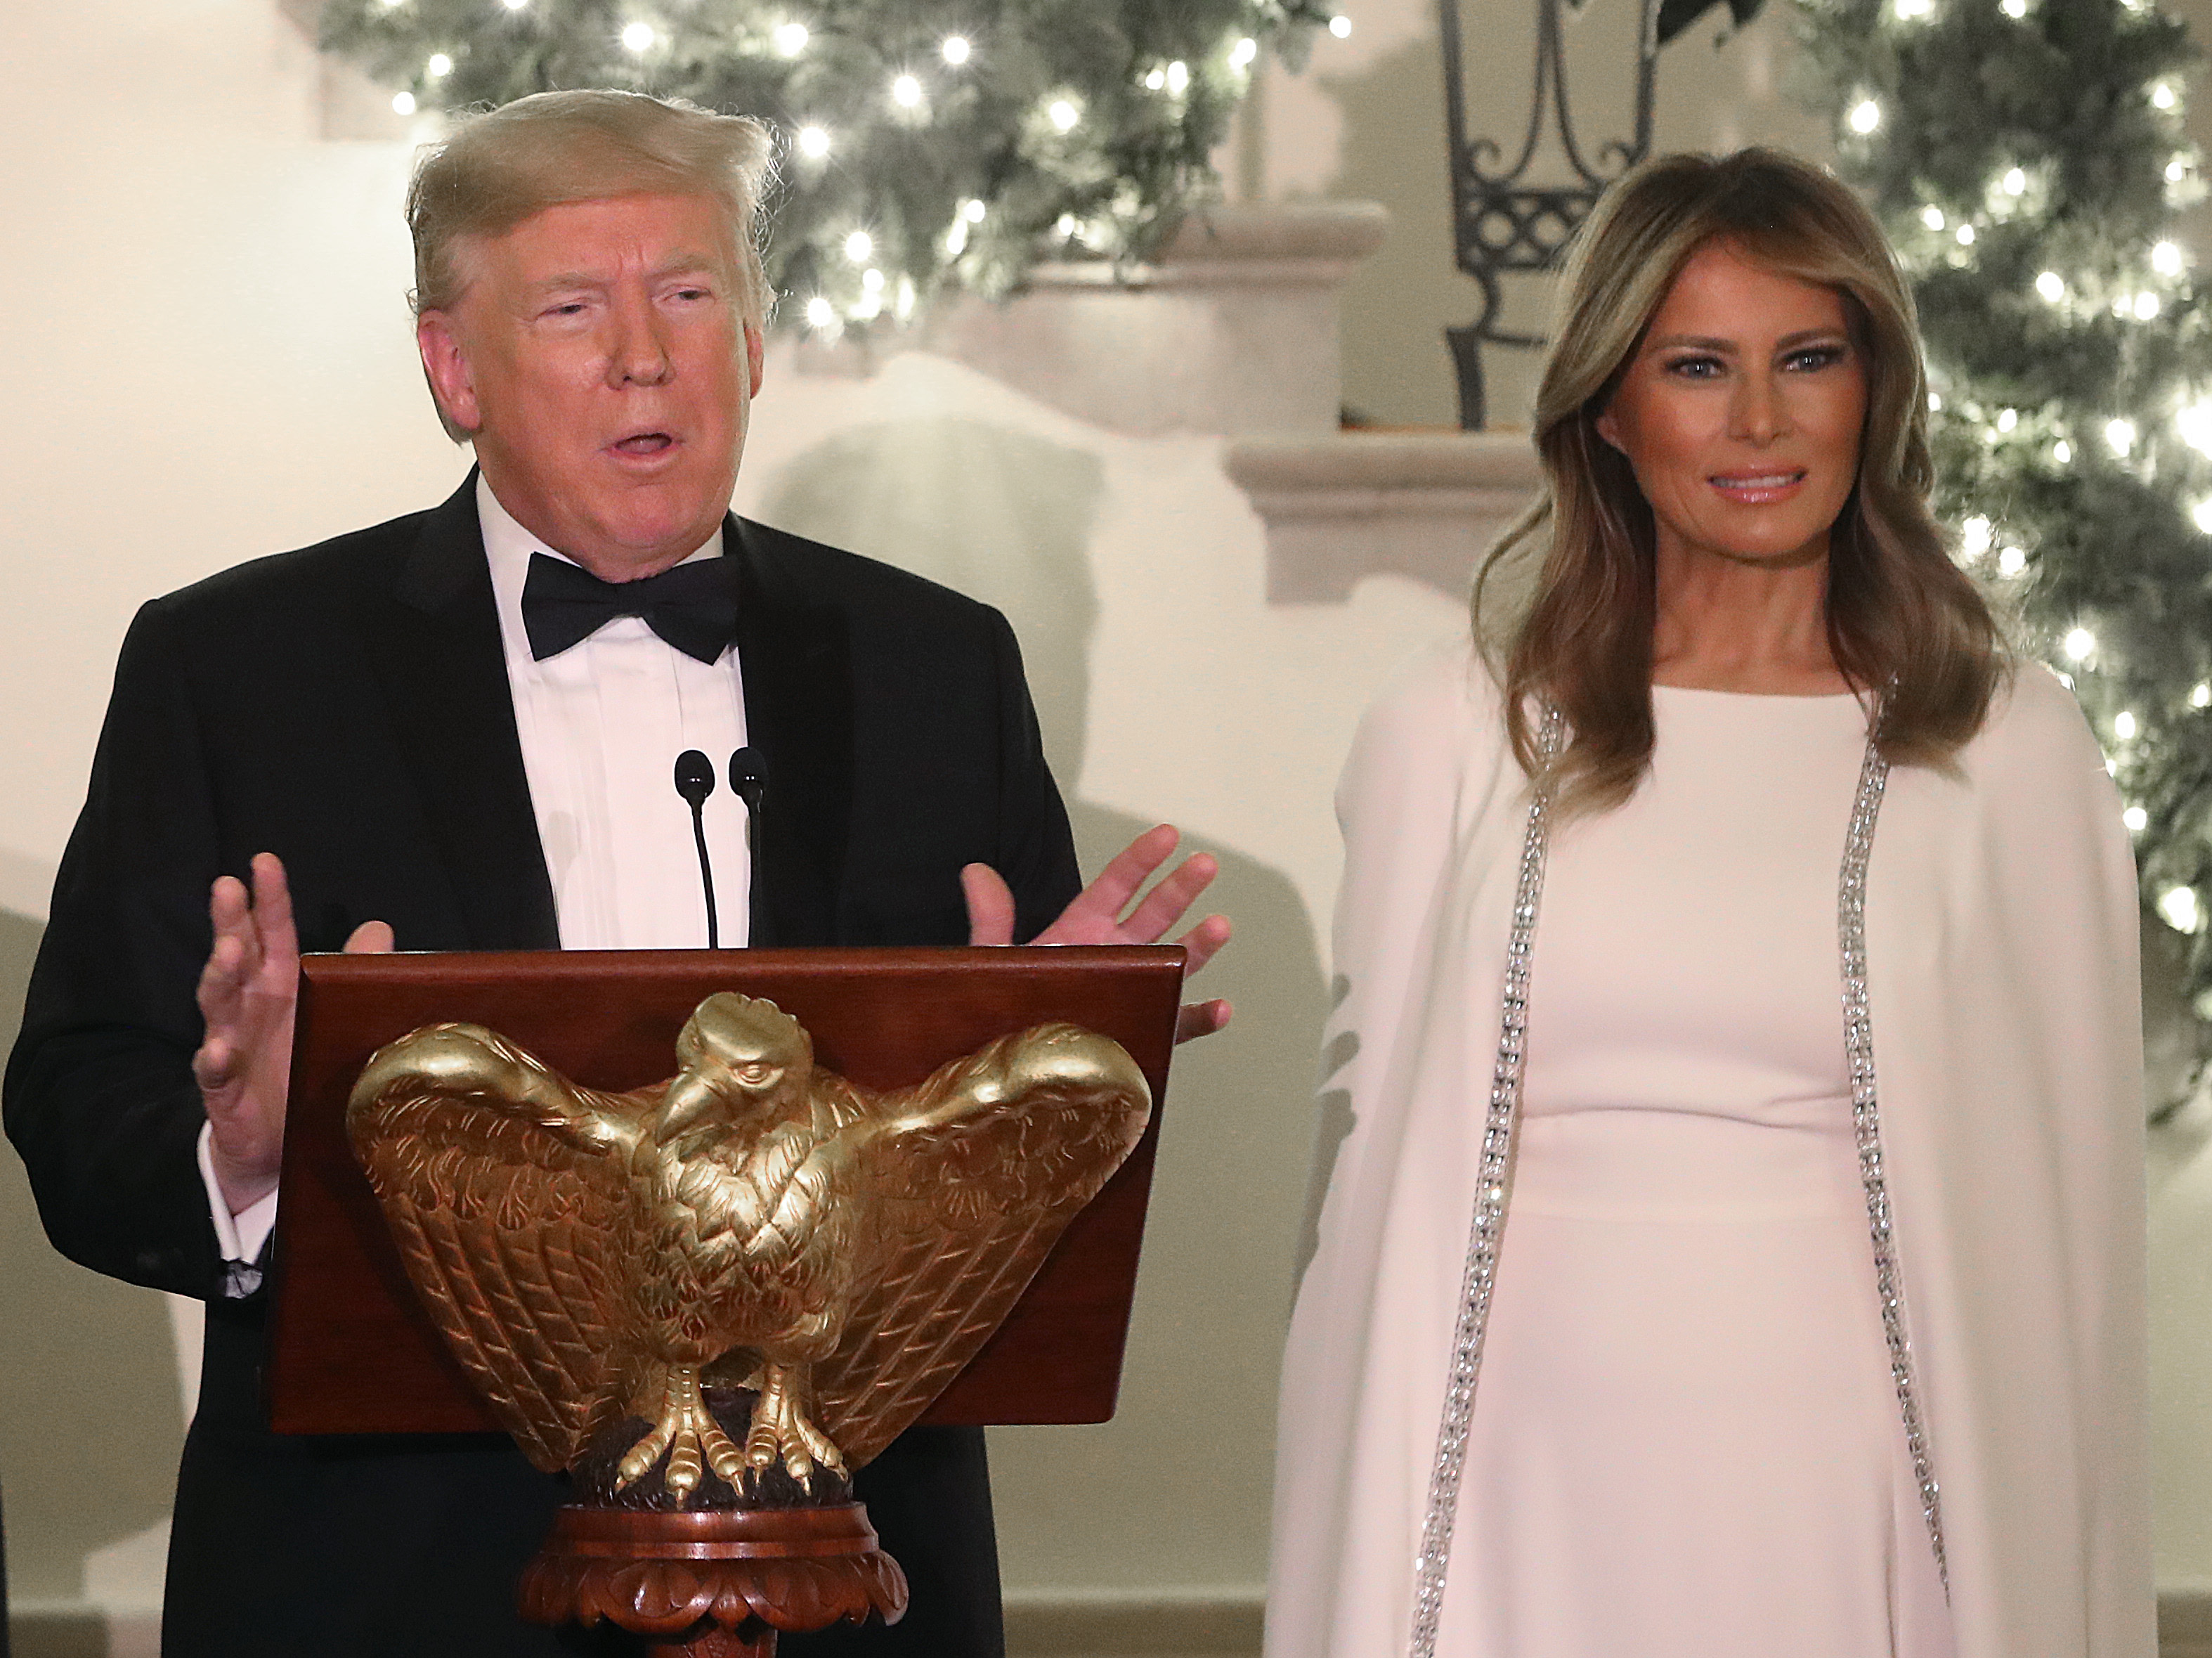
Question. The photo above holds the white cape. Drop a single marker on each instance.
(2002, 961)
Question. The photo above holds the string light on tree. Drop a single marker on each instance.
(1340, 27)
(639, 37)
(2193, 425)
(1865, 117)
(813, 143)
(955, 50)
(790, 38)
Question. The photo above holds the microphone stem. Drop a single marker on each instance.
(705, 874)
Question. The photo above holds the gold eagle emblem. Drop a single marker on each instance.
(755, 1221)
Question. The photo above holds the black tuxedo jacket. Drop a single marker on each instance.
(346, 707)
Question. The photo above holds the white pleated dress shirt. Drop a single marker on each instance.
(601, 725)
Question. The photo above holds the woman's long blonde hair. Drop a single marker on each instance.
(1904, 624)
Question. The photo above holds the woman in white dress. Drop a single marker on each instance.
(1733, 1246)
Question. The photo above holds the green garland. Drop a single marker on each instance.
(922, 142)
(2027, 158)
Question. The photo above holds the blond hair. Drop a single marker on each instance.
(501, 167)
(1903, 623)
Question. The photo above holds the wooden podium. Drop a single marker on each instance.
(352, 1351)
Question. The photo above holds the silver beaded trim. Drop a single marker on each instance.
(1497, 1140)
(1489, 1212)
(1866, 1121)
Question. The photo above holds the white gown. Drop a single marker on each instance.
(1684, 1441)
(1630, 1474)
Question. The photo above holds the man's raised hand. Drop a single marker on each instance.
(247, 992)
(1095, 916)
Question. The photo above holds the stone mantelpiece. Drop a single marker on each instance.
(1340, 506)
(1234, 329)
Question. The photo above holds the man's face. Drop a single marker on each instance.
(600, 359)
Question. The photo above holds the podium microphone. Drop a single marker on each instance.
(749, 783)
(695, 781)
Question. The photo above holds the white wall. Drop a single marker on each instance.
(212, 358)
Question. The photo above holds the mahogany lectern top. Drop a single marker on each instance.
(351, 1349)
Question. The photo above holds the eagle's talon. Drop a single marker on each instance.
(762, 1447)
(818, 1444)
(782, 1433)
(643, 1455)
(728, 1461)
(686, 1430)
(681, 1475)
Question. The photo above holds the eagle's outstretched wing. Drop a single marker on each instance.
(514, 1271)
(970, 1179)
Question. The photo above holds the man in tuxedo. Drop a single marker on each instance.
(456, 731)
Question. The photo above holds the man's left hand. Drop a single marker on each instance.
(1096, 915)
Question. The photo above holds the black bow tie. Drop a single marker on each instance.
(693, 606)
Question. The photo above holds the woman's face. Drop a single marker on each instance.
(1740, 413)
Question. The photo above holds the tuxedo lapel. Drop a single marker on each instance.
(796, 656)
(438, 652)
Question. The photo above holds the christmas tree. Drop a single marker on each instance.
(922, 141)
(2028, 159)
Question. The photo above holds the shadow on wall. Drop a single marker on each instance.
(90, 1427)
(1007, 517)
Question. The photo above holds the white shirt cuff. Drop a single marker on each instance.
(240, 1236)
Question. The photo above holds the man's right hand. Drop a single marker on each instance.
(247, 992)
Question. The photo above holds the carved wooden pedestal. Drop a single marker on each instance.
(713, 1582)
